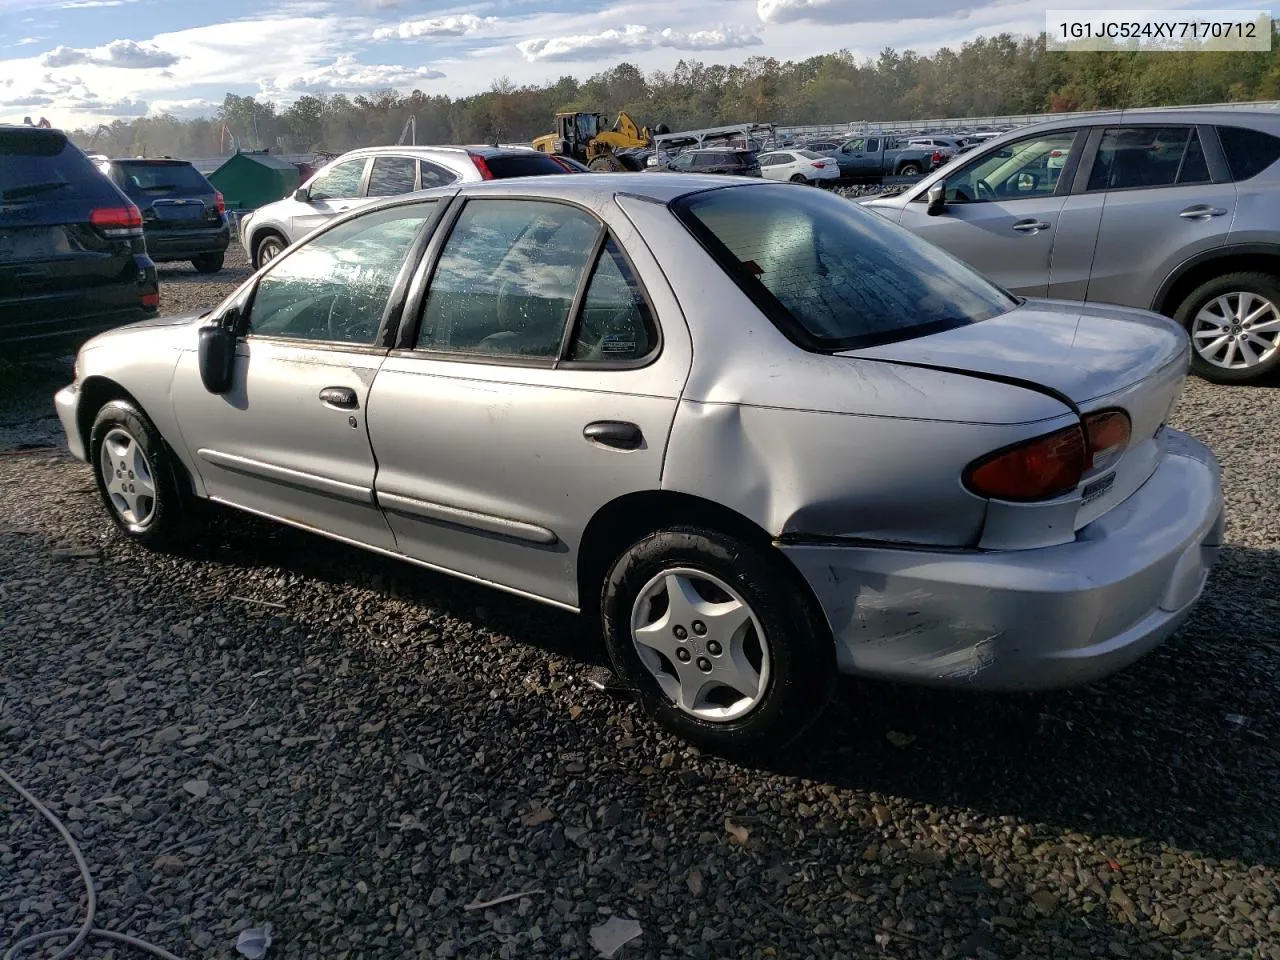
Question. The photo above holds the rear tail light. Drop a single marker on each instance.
(1046, 467)
(221, 201)
(1037, 469)
(117, 221)
(485, 172)
(1107, 432)
(151, 299)
(819, 164)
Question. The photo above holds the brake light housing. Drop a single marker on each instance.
(1041, 468)
(221, 202)
(481, 166)
(117, 221)
(1053, 464)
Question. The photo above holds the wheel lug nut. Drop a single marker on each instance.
(704, 664)
(714, 648)
(683, 655)
(681, 633)
(699, 628)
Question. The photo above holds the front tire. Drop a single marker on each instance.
(210, 263)
(1234, 323)
(719, 638)
(267, 249)
(140, 481)
(607, 163)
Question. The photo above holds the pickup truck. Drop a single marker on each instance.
(871, 158)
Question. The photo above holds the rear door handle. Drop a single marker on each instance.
(1201, 211)
(1030, 226)
(614, 433)
(344, 398)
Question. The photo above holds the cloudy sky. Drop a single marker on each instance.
(82, 62)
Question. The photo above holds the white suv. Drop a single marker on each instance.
(363, 176)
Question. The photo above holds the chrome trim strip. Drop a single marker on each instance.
(434, 568)
(293, 478)
(515, 529)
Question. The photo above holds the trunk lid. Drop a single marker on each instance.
(1093, 357)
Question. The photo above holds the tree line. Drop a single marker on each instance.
(988, 76)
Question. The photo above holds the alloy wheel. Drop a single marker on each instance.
(128, 477)
(1236, 331)
(702, 643)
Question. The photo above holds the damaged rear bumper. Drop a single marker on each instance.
(1029, 619)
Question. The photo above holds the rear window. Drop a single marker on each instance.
(530, 164)
(1249, 152)
(158, 178)
(833, 276)
(43, 164)
(810, 155)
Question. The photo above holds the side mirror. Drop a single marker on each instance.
(217, 358)
(937, 198)
(302, 195)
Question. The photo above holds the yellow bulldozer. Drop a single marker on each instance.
(590, 139)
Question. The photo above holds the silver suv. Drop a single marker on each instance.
(361, 177)
(1176, 211)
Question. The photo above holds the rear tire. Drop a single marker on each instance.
(142, 483)
(1244, 306)
(799, 178)
(209, 264)
(751, 624)
(909, 170)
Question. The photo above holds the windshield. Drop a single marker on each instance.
(156, 178)
(831, 275)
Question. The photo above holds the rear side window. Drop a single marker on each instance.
(615, 326)
(506, 279)
(1133, 157)
(158, 178)
(833, 276)
(43, 165)
(523, 164)
(392, 176)
(1249, 152)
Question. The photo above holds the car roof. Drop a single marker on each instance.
(484, 150)
(587, 188)
(151, 161)
(1266, 118)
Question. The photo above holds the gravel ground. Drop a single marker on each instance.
(274, 728)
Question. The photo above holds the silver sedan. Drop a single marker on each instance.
(760, 435)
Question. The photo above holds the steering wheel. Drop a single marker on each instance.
(343, 296)
(985, 188)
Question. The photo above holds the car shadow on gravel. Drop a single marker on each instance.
(1180, 748)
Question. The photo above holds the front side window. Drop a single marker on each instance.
(340, 182)
(683, 162)
(392, 176)
(1017, 171)
(1133, 157)
(616, 325)
(506, 279)
(834, 276)
(335, 288)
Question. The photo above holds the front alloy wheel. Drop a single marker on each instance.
(128, 478)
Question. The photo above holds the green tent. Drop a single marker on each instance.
(250, 180)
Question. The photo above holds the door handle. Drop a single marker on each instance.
(344, 398)
(1201, 211)
(614, 433)
(1031, 226)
